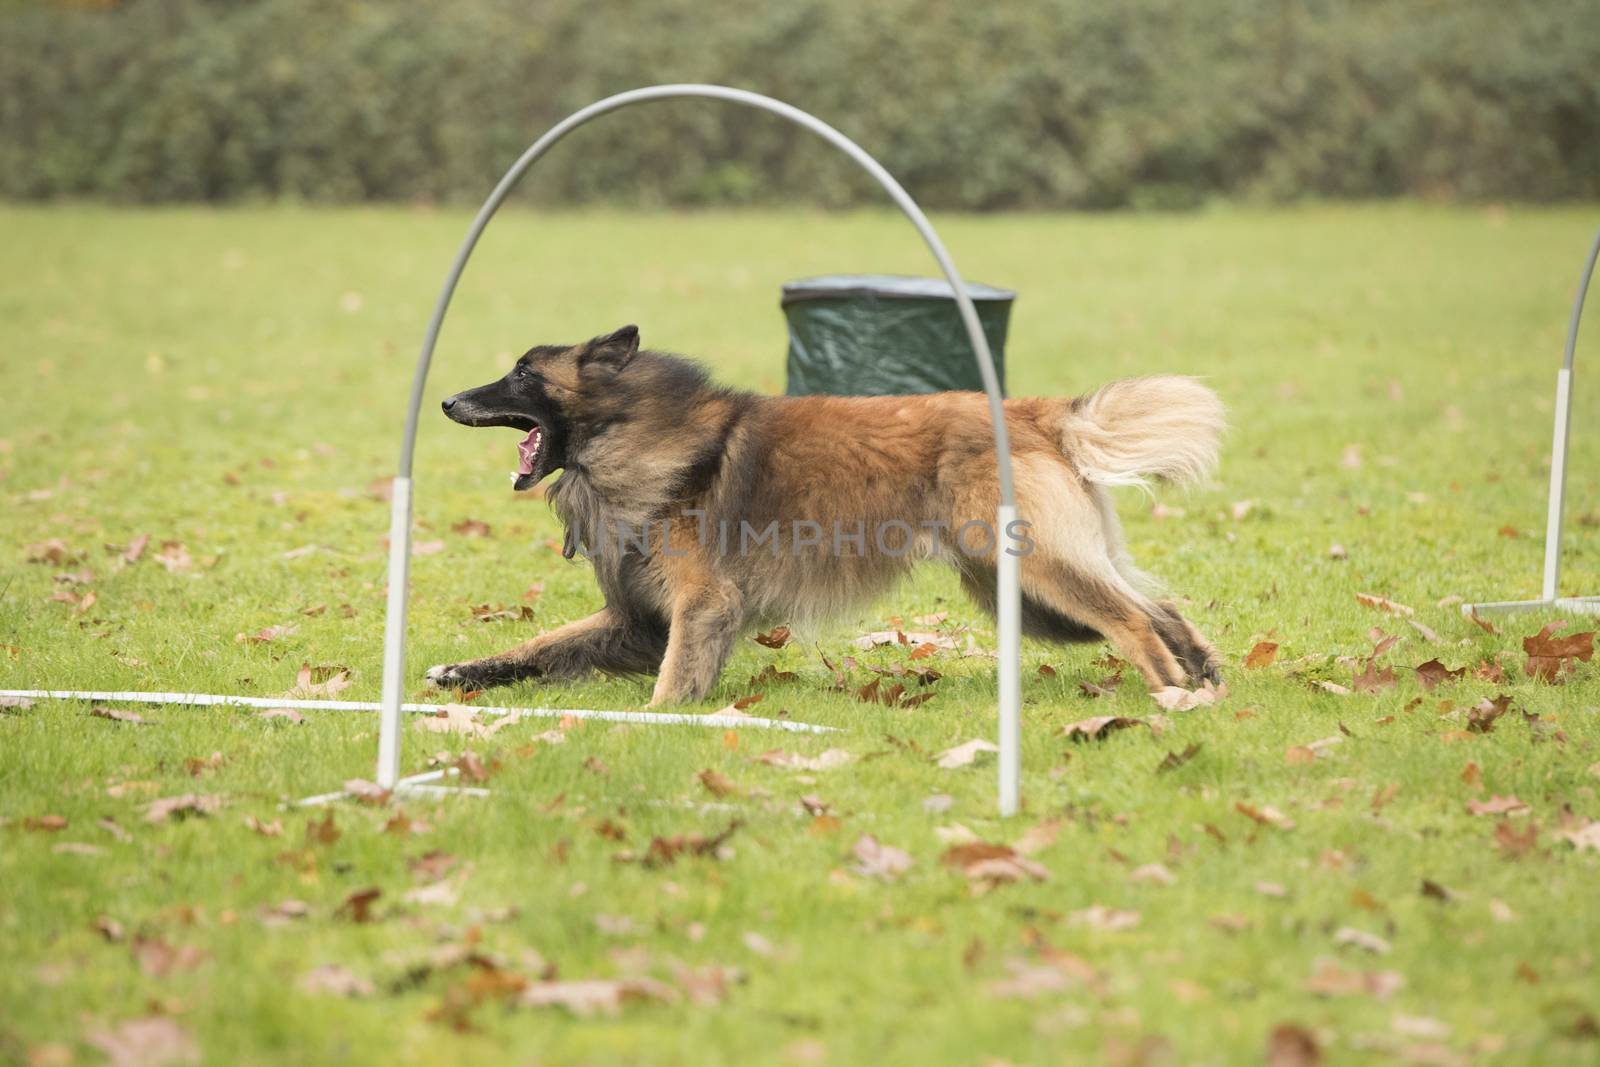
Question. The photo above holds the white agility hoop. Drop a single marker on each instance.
(1550, 595)
(1008, 601)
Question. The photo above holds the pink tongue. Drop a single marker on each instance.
(527, 449)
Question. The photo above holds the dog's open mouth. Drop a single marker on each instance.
(527, 459)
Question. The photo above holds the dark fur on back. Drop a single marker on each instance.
(664, 474)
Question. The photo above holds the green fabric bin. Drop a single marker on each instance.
(888, 335)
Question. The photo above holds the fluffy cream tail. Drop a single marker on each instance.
(1131, 431)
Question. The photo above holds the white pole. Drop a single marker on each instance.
(1558, 485)
(394, 634)
(1008, 607)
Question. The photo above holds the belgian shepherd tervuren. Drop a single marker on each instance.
(706, 510)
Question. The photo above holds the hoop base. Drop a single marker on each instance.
(1583, 605)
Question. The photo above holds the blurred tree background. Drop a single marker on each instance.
(1054, 104)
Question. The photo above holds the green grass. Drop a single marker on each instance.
(233, 381)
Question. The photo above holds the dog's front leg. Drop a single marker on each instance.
(705, 622)
(607, 640)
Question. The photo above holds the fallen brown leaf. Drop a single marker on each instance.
(1432, 674)
(718, 784)
(313, 682)
(1513, 842)
(827, 761)
(964, 754)
(157, 959)
(1176, 698)
(1369, 942)
(592, 996)
(1098, 726)
(183, 805)
(155, 1041)
(1266, 815)
(116, 715)
(987, 865)
(777, 637)
(1497, 805)
(1290, 1044)
(1173, 760)
(1549, 657)
(877, 860)
(357, 907)
(1261, 655)
(1100, 917)
(1378, 603)
(333, 979)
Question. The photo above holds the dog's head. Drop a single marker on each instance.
(553, 394)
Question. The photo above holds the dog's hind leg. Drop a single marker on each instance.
(1104, 603)
(1199, 659)
(606, 641)
(705, 622)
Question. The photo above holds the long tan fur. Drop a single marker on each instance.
(643, 438)
(1130, 431)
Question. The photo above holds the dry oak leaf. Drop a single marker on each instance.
(358, 905)
(286, 714)
(777, 637)
(312, 682)
(267, 634)
(117, 715)
(1349, 935)
(877, 860)
(963, 754)
(1482, 715)
(1586, 837)
(1549, 656)
(717, 783)
(1029, 979)
(155, 1041)
(1292, 1045)
(1100, 917)
(1261, 655)
(335, 980)
(913, 639)
(1266, 815)
(592, 996)
(1154, 873)
(1433, 674)
(460, 719)
(1514, 842)
(1330, 979)
(827, 761)
(1378, 603)
(183, 805)
(1094, 728)
(1177, 698)
(157, 959)
(1173, 760)
(987, 865)
(1497, 805)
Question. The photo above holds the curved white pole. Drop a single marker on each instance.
(1008, 604)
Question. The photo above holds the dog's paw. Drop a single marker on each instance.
(445, 676)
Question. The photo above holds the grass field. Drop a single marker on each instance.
(230, 384)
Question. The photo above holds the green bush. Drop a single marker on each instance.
(1061, 103)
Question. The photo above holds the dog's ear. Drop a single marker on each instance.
(612, 352)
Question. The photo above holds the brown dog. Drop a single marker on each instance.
(706, 511)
